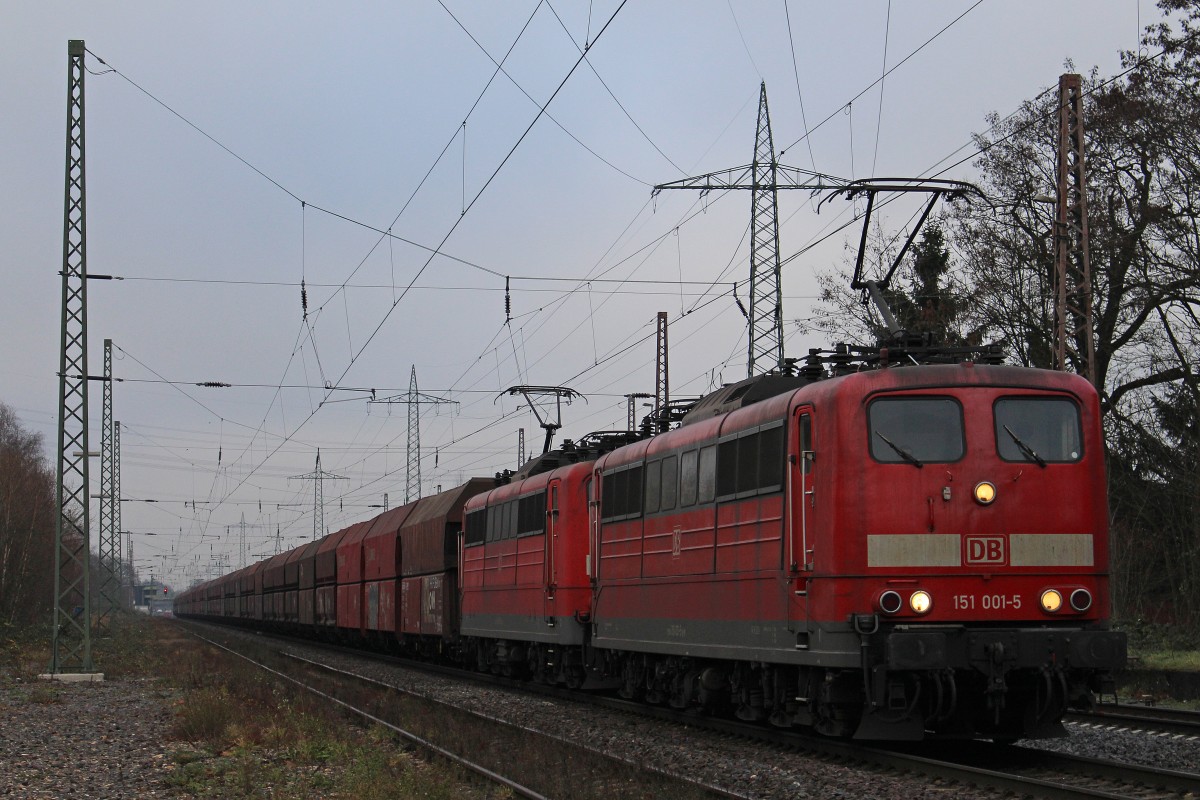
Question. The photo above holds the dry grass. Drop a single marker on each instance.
(1171, 660)
(242, 733)
(237, 732)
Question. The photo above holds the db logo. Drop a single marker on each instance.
(985, 550)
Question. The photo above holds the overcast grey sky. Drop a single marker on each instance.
(389, 115)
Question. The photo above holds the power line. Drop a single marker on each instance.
(550, 117)
(671, 282)
(621, 106)
(901, 63)
(887, 29)
(445, 238)
(799, 93)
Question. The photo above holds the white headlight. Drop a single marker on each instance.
(920, 601)
(1051, 600)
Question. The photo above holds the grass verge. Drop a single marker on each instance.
(237, 731)
(243, 733)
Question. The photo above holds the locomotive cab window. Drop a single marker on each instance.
(1038, 429)
(915, 430)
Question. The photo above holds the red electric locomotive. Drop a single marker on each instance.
(892, 553)
(526, 597)
(889, 554)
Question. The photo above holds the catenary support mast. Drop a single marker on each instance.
(1074, 339)
(110, 534)
(662, 385)
(71, 643)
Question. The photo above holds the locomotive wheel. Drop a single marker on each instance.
(535, 664)
(633, 677)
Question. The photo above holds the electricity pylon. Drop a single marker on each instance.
(413, 399)
(318, 476)
(764, 177)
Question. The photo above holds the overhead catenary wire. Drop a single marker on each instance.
(596, 288)
(500, 69)
(887, 29)
(589, 287)
(808, 133)
(453, 227)
(799, 93)
(620, 105)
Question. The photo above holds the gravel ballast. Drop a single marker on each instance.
(84, 740)
(743, 767)
(112, 740)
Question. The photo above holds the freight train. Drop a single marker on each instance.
(872, 548)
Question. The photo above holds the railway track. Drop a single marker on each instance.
(1153, 719)
(1038, 773)
(518, 789)
(980, 768)
(1021, 770)
(479, 743)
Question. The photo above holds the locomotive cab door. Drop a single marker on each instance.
(802, 511)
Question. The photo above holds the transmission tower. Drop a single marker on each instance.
(318, 476)
(241, 526)
(71, 643)
(520, 447)
(1074, 339)
(413, 399)
(764, 177)
(110, 532)
(412, 475)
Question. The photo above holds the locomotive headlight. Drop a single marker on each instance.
(985, 493)
(890, 602)
(920, 601)
(1051, 600)
(1081, 600)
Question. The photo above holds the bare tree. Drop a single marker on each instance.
(1143, 164)
(26, 525)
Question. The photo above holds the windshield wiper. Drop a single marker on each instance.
(1026, 449)
(900, 451)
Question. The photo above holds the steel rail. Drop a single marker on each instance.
(517, 788)
(979, 764)
(1175, 721)
(505, 683)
